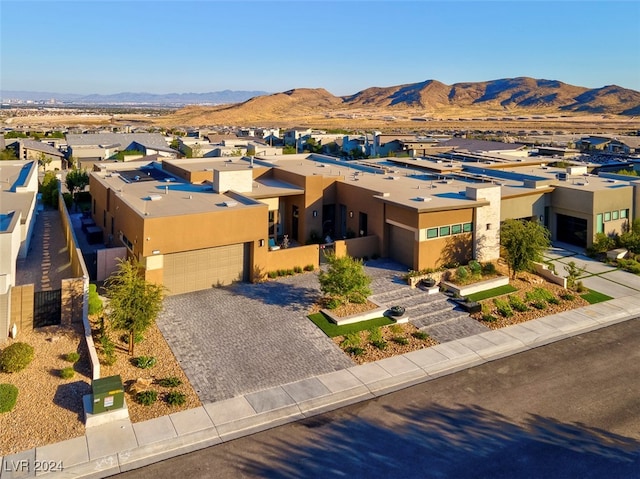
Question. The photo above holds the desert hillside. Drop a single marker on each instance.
(511, 98)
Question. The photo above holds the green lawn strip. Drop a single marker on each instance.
(491, 293)
(331, 329)
(593, 297)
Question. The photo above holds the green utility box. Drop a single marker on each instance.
(108, 394)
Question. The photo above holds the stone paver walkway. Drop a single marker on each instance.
(47, 262)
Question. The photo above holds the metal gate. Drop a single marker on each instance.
(47, 306)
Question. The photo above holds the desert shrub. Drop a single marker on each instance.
(351, 340)
(67, 373)
(395, 329)
(567, 296)
(553, 300)
(630, 265)
(420, 335)
(297, 269)
(462, 273)
(144, 362)
(290, 272)
(8, 397)
(16, 357)
(72, 357)
(355, 350)
(175, 398)
(489, 318)
(375, 338)
(516, 303)
(601, 244)
(309, 267)
(400, 340)
(272, 274)
(475, 268)
(503, 307)
(539, 294)
(282, 272)
(580, 288)
(539, 304)
(108, 350)
(147, 398)
(170, 382)
(489, 268)
(333, 303)
(137, 338)
(95, 303)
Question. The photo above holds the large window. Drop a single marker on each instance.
(446, 230)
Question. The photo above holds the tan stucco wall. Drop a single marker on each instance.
(523, 206)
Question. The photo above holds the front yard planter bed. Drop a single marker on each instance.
(472, 288)
(332, 330)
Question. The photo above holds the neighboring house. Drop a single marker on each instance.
(620, 145)
(33, 150)
(18, 198)
(102, 146)
(423, 213)
(296, 136)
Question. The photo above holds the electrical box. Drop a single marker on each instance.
(108, 394)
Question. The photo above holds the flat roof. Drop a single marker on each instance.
(13, 174)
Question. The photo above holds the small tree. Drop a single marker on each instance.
(345, 280)
(134, 303)
(8, 154)
(522, 242)
(44, 161)
(76, 180)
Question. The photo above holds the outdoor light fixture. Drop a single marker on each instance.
(350, 214)
(315, 213)
(261, 243)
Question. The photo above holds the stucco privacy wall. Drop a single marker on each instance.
(486, 243)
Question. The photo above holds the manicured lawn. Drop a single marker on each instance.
(332, 329)
(490, 293)
(594, 297)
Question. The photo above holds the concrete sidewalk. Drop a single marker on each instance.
(121, 446)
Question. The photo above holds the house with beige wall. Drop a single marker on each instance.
(202, 222)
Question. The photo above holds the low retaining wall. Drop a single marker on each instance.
(468, 289)
(355, 318)
(544, 271)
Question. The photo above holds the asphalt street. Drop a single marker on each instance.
(567, 410)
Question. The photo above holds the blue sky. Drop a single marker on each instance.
(344, 46)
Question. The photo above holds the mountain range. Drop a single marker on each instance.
(166, 99)
(431, 98)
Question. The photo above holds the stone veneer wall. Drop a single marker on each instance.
(486, 235)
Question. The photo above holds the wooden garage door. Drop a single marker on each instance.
(401, 245)
(205, 268)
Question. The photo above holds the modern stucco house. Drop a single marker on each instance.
(18, 199)
(201, 222)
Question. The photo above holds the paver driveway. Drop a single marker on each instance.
(248, 337)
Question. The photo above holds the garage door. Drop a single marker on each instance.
(205, 268)
(401, 245)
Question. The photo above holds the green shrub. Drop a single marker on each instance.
(137, 338)
(489, 268)
(539, 304)
(503, 307)
(462, 273)
(170, 382)
(290, 272)
(516, 303)
(8, 397)
(351, 340)
(355, 350)
(395, 329)
(580, 288)
(420, 335)
(147, 398)
(475, 268)
(16, 357)
(144, 362)
(489, 318)
(175, 398)
(68, 200)
(309, 267)
(272, 274)
(72, 357)
(553, 300)
(567, 296)
(297, 269)
(95, 303)
(333, 303)
(400, 340)
(376, 339)
(539, 294)
(108, 349)
(67, 373)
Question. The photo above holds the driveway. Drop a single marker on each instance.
(249, 337)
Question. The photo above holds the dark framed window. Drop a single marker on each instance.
(467, 227)
(445, 230)
(432, 233)
(456, 229)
